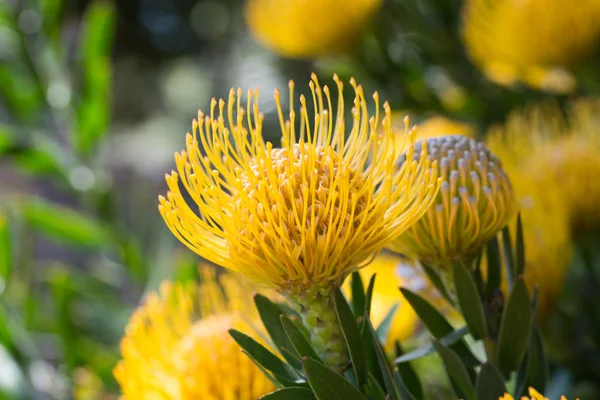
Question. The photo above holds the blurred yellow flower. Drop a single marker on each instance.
(561, 151)
(441, 126)
(475, 201)
(176, 345)
(533, 395)
(305, 29)
(530, 40)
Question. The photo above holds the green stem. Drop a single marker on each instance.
(317, 310)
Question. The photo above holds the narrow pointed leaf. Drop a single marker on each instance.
(509, 256)
(534, 370)
(384, 366)
(515, 329)
(377, 392)
(409, 376)
(447, 341)
(358, 294)
(434, 277)
(469, 301)
(263, 356)
(494, 272)
(290, 393)
(329, 385)
(490, 384)
(369, 296)
(352, 337)
(457, 371)
(437, 325)
(402, 388)
(298, 340)
(269, 314)
(384, 327)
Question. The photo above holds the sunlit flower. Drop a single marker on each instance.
(298, 218)
(441, 126)
(176, 345)
(531, 40)
(304, 28)
(474, 203)
(533, 395)
(561, 150)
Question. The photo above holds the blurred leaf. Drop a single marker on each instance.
(262, 356)
(299, 342)
(358, 294)
(65, 224)
(290, 393)
(19, 90)
(534, 371)
(509, 257)
(469, 301)
(447, 341)
(376, 391)
(63, 297)
(520, 247)
(5, 251)
(438, 325)
(369, 297)
(457, 371)
(97, 31)
(50, 12)
(328, 385)
(352, 337)
(434, 277)
(515, 329)
(490, 384)
(494, 271)
(408, 374)
(384, 327)
(6, 138)
(270, 316)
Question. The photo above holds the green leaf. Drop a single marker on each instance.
(494, 271)
(469, 301)
(438, 325)
(369, 296)
(490, 384)
(290, 393)
(358, 294)
(456, 369)
(328, 385)
(509, 257)
(409, 376)
(352, 337)
(376, 391)
(447, 341)
(65, 224)
(384, 366)
(262, 356)
(434, 277)
(515, 329)
(299, 341)
(384, 327)
(270, 315)
(520, 247)
(402, 388)
(534, 370)
(5, 249)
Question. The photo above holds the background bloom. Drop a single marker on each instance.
(531, 40)
(533, 395)
(176, 345)
(304, 28)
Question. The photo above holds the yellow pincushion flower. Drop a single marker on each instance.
(475, 201)
(533, 395)
(530, 40)
(441, 126)
(176, 345)
(298, 218)
(304, 28)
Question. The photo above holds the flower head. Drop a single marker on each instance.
(176, 344)
(304, 215)
(530, 40)
(533, 395)
(304, 29)
(474, 203)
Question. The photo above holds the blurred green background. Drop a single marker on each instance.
(95, 96)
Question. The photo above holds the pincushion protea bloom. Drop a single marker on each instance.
(176, 345)
(533, 395)
(475, 201)
(531, 40)
(304, 29)
(298, 218)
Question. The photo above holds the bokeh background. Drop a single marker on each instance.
(95, 96)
